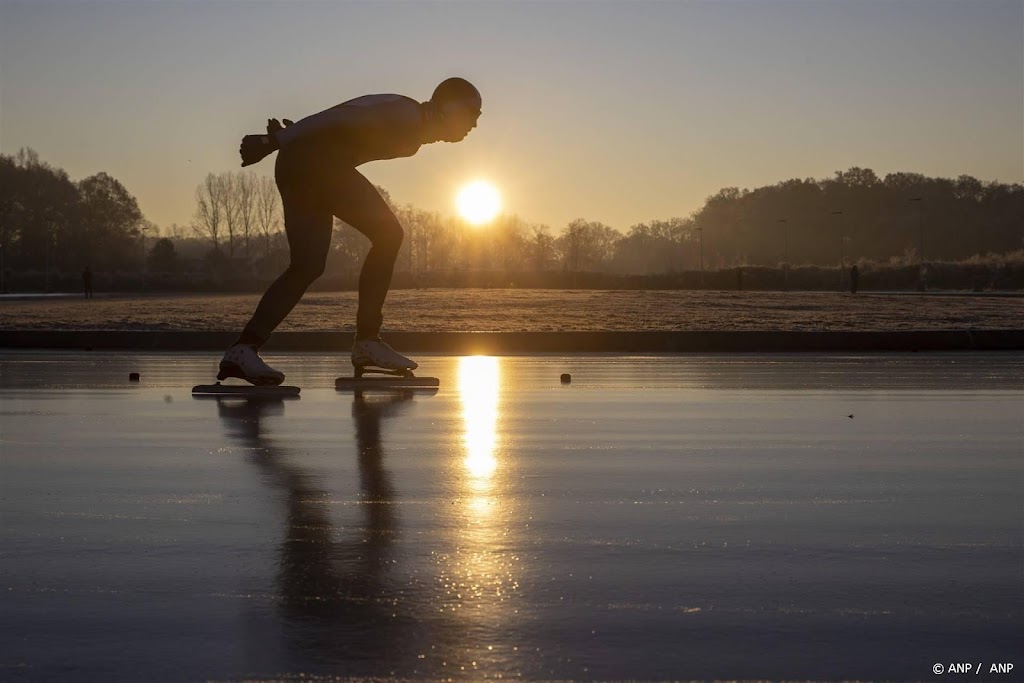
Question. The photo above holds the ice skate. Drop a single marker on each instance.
(242, 361)
(375, 357)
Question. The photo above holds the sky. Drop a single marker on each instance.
(620, 112)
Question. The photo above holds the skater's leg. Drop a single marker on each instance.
(359, 204)
(307, 224)
(308, 228)
(309, 236)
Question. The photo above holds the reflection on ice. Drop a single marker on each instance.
(479, 575)
(332, 581)
(479, 383)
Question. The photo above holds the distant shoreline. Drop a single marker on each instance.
(536, 320)
(536, 342)
(1003, 294)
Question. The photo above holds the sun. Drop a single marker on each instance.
(478, 202)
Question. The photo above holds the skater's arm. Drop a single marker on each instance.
(330, 120)
(387, 114)
(317, 123)
(354, 119)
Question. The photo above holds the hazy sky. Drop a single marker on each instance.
(613, 111)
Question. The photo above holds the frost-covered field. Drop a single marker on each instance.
(534, 310)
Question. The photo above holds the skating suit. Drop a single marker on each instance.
(368, 128)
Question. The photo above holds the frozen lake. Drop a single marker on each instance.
(673, 516)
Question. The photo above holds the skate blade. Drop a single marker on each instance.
(371, 369)
(245, 390)
(385, 382)
(232, 371)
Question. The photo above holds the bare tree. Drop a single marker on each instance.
(407, 217)
(211, 209)
(268, 215)
(428, 237)
(600, 241)
(418, 234)
(245, 202)
(349, 248)
(232, 210)
(176, 231)
(542, 245)
(513, 241)
(587, 245)
(228, 209)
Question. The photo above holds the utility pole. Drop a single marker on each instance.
(842, 261)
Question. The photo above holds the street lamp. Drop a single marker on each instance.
(842, 262)
(920, 228)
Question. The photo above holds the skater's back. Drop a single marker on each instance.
(368, 128)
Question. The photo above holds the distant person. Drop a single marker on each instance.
(317, 178)
(87, 282)
(854, 279)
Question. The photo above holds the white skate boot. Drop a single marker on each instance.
(243, 361)
(374, 355)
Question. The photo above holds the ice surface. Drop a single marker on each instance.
(788, 516)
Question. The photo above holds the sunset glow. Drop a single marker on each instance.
(478, 202)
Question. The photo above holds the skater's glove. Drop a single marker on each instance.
(255, 147)
(273, 125)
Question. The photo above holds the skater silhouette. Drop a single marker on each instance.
(87, 282)
(316, 175)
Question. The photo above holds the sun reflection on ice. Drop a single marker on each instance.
(479, 381)
(480, 574)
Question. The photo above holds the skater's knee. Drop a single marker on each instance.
(307, 270)
(389, 237)
(315, 270)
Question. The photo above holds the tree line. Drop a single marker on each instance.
(48, 221)
(854, 216)
(51, 224)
